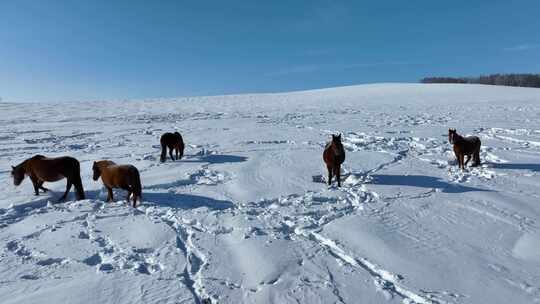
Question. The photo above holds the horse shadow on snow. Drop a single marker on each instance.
(515, 166)
(422, 181)
(185, 201)
(170, 199)
(215, 159)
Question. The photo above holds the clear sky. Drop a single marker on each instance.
(86, 50)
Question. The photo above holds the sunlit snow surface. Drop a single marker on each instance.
(246, 217)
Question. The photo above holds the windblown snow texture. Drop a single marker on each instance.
(246, 216)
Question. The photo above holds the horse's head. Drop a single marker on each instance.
(97, 171)
(18, 174)
(337, 146)
(452, 135)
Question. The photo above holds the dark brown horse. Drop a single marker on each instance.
(173, 141)
(42, 169)
(334, 156)
(465, 146)
(118, 176)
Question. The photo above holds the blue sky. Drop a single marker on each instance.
(87, 50)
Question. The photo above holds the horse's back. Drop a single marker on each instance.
(56, 162)
(120, 175)
(167, 138)
(330, 158)
(165, 135)
(474, 141)
(171, 139)
(54, 168)
(468, 145)
(120, 170)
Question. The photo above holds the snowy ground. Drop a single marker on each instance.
(245, 218)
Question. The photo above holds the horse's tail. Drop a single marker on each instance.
(476, 155)
(136, 184)
(181, 146)
(77, 182)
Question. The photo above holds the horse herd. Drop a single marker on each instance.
(42, 169)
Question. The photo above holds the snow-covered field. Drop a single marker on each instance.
(246, 218)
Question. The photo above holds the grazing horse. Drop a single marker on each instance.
(465, 146)
(42, 169)
(118, 176)
(171, 141)
(334, 156)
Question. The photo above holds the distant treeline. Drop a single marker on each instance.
(514, 80)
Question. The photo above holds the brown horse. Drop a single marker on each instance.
(171, 141)
(334, 156)
(118, 176)
(42, 169)
(465, 146)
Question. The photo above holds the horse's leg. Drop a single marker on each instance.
(68, 187)
(132, 191)
(35, 183)
(163, 152)
(461, 161)
(468, 159)
(40, 184)
(171, 154)
(129, 192)
(476, 158)
(177, 152)
(109, 194)
(77, 183)
(457, 158)
(329, 175)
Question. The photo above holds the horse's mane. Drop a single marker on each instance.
(23, 164)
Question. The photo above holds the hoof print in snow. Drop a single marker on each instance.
(106, 267)
(50, 261)
(92, 260)
(29, 277)
(318, 179)
(141, 268)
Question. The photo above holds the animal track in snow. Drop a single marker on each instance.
(111, 256)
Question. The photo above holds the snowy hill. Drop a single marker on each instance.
(245, 218)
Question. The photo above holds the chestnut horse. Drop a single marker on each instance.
(118, 176)
(334, 156)
(42, 169)
(171, 141)
(465, 146)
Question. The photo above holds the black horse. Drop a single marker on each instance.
(334, 156)
(173, 141)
